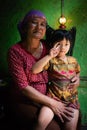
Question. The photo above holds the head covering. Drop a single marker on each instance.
(23, 25)
(35, 13)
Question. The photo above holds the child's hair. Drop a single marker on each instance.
(53, 36)
(59, 35)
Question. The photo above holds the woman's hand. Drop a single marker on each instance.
(75, 81)
(61, 110)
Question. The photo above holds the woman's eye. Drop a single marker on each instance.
(34, 22)
(43, 24)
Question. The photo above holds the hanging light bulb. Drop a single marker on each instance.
(62, 19)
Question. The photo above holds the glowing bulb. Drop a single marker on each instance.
(62, 20)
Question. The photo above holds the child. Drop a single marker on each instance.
(61, 70)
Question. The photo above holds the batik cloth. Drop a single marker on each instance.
(60, 75)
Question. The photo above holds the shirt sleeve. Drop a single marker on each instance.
(74, 61)
(15, 63)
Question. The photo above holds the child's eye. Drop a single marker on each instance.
(66, 44)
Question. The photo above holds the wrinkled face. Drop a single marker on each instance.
(64, 47)
(36, 27)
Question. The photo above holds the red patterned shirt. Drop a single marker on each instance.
(20, 64)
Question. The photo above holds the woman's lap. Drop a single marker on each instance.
(26, 116)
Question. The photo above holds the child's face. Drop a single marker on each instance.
(64, 47)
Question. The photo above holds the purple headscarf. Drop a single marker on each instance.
(35, 13)
(22, 25)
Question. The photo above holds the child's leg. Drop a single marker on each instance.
(72, 125)
(45, 117)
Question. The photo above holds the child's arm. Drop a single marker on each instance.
(39, 65)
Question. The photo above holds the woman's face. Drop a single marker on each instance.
(36, 28)
(64, 47)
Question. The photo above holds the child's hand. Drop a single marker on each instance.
(55, 50)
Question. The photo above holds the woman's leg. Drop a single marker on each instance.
(45, 117)
(72, 125)
(23, 115)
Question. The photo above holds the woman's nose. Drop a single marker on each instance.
(38, 26)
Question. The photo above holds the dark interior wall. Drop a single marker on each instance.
(12, 11)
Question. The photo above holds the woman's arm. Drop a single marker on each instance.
(16, 69)
(57, 107)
